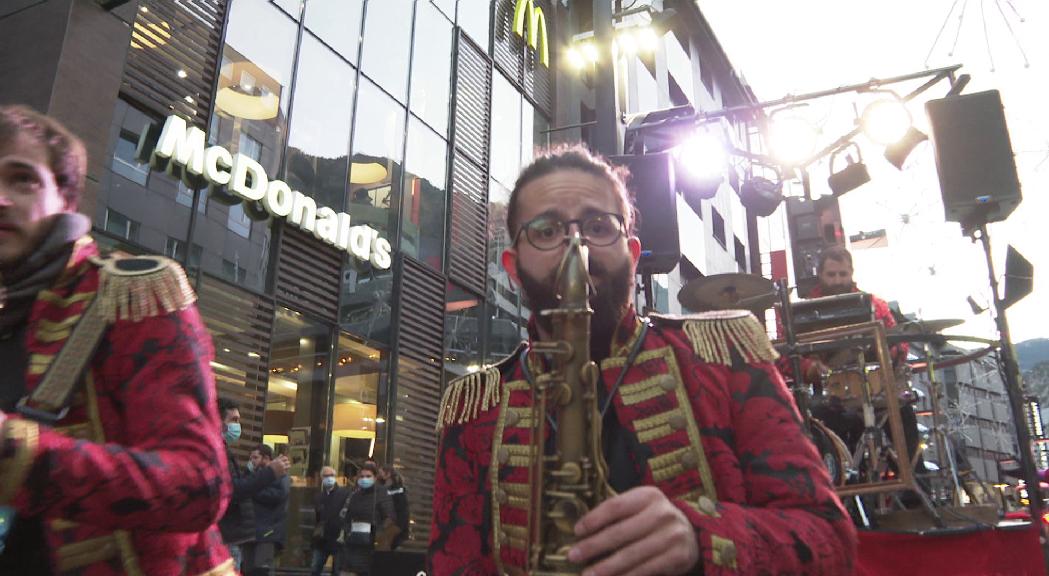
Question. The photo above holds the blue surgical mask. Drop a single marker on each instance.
(366, 482)
(232, 433)
(328, 481)
(251, 466)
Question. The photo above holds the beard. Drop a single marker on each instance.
(610, 301)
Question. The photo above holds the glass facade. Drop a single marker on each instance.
(350, 103)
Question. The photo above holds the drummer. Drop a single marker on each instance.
(835, 277)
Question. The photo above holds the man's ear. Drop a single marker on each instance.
(509, 260)
(633, 243)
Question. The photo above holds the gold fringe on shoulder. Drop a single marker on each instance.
(715, 334)
(468, 396)
(141, 287)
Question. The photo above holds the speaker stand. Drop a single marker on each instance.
(1013, 385)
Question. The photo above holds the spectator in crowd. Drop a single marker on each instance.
(327, 524)
(238, 524)
(271, 515)
(394, 483)
(368, 523)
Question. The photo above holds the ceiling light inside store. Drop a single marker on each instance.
(181, 74)
(238, 102)
(367, 173)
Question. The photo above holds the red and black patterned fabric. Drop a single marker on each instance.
(722, 439)
(133, 479)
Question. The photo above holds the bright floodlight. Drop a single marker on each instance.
(702, 155)
(590, 52)
(575, 58)
(886, 121)
(626, 42)
(792, 139)
(647, 39)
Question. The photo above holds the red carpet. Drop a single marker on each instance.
(1010, 551)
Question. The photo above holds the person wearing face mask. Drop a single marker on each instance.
(394, 482)
(271, 514)
(238, 524)
(368, 523)
(326, 506)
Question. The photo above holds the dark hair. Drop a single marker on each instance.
(835, 253)
(573, 157)
(225, 405)
(264, 450)
(67, 157)
(394, 475)
(369, 466)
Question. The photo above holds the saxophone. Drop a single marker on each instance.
(572, 481)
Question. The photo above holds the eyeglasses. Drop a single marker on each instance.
(549, 233)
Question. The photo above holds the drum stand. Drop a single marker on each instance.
(944, 451)
(879, 457)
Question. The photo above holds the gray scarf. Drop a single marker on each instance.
(26, 279)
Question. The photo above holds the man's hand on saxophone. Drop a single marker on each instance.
(636, 533)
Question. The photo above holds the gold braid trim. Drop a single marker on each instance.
(468, 396)
(715, 334)
(14, 470)
(141, 287)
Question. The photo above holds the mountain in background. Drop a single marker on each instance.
(1032, 352)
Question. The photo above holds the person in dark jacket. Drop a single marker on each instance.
(394, 483)
(326, 505)
(369, 523)
(238, 524)
(271, 515)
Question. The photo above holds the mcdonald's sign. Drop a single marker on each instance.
(527, 12)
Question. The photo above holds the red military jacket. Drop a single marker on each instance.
(719, 435)
(133, 479)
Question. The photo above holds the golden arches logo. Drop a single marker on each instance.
(527, 11)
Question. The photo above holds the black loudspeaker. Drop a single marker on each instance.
(655, 195)
(974, 158)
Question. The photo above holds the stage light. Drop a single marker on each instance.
(647, 39)
(590, 52)
(575, 58)
(626, 42)
(898, 152)
(850, 177)
(886, 121)
(792, 138)
(702, 155)
(761, 195)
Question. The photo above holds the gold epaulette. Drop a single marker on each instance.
(469, 395)
(714, 334)
(137, 287)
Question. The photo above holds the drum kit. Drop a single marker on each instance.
(870, 457)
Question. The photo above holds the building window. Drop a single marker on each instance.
(337, 23)
(356, 419)
(432, 67)
(120, 225)
(719, 226)
(475, 18)
(706, 75)
(233, 272)
(387, 46)
(124, 161)
(505, 146)
(238, 222)
(422, 222)
(175, 249)
(462, 332)
(741, 254)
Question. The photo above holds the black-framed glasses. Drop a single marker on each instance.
(549, 233)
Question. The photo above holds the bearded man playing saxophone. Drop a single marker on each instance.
(710, 470)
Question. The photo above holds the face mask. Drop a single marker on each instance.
(251, 466)
(232, 432)
(366, 482)
(328, 481)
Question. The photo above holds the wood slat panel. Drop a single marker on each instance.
(240, 324)
(467, 257)
(308, 274)
(473, 86)
(420, 355)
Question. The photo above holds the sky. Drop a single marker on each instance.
(801, 46)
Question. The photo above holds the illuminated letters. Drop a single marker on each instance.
(182, 146)
(536, 28)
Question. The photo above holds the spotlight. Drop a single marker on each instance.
(589, 50)
(647, 39)
(761, 195)
(792, 138)
(850, 177)
(886, 121)
(699, 165)
(575, 58)
(897, 152)
(626, 42)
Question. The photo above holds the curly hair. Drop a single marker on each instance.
(573, 157)
(67, 157)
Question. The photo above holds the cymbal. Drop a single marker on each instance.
(728, 291)
(926, 326)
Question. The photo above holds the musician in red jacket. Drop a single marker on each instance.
(704, 447)
(111, 460)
